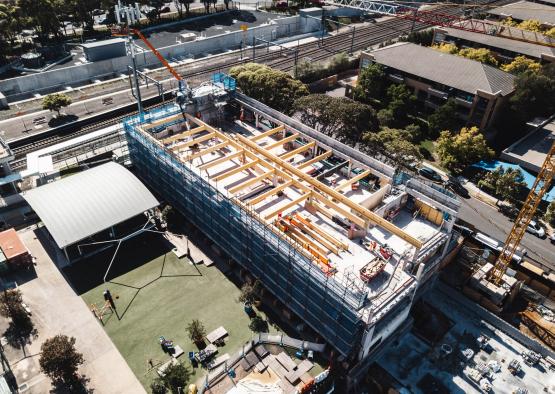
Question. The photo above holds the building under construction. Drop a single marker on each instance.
(345, 241)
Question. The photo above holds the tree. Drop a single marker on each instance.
(42, 17)
(179, 4)
(509, 22)
(9, 23)
(196, 331)
(83, 12)
(444, 118)
(258, 324)
(446, 48)
(534, 94)
(340, 117)
(10, 303)
(550, 33)
(274, 88)
(226, 2)
(59, 360)
(175, 379)
(459, 150)
(206, 4)
(55, 102)
(371, 83)
(530, 25)
(396, 144)
(549, 216)
(157, 6)
(250, 291)
(423, 37)
(481, 55)
(507, 184)
(401, 102)
(521, 64)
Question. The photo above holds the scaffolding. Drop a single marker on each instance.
(287, 271)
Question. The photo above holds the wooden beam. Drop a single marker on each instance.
(161, 121)
(183, 135)
(206, 151)
(373, 217)
(354, 179)
(267, 133)
(249, 182)
(308, 223)
(234, 171)
(221, 160)
(349, 215)
(316, 159)
(269, 193)
(197, 140)
(287, 206)
(301, 226)
(281, 142)
(305, 239)
(294, 152)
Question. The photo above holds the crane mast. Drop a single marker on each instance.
(541, 186)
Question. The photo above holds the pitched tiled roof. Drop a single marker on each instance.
(525, 10)
(450, 70)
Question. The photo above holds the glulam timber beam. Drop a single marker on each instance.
(366, 213)
(206, 151)
(281, 142)
(284, 207)
(183, 135)
(249, 182)
(221, 160)
(234, 171)
(340, 210)
(162, 121)
(294, 152)
(267, 133)
(354, 179)
(275, 190)
(316, 159)
(186, 144)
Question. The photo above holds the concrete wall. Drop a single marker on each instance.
(85, 73)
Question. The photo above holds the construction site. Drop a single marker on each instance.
(346, 245)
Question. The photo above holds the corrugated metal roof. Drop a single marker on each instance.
(450, 70)
(520, 47)
(525, 10)
(86, 203)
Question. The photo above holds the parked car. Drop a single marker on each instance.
(552, 238)
(507, 210)
(98, 12)
(165, 10)
(455, 185)
(427, 172)
(536, 229)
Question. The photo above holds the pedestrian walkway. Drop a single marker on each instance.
(58, 310)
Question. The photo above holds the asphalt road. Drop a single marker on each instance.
(496, 225)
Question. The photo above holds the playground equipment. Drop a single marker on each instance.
(99, 313)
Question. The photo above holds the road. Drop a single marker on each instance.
(496, 225)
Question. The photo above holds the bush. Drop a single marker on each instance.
(258, 324)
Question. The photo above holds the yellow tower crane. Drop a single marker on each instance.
(541, 186)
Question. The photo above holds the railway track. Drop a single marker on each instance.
(364, 37)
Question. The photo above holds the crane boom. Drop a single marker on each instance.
(541, 186)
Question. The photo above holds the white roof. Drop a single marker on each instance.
(86, 203)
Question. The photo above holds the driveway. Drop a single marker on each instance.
(56, 309)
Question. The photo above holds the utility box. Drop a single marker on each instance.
(102, 50)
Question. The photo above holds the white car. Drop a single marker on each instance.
(536, 229)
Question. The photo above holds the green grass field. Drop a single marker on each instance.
(158, 295)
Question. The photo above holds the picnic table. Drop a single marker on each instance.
(206, 353)
(216, 335)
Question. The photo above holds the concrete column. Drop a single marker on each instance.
(67, 256)
(256, 120)
(349, 168)
(444, 251)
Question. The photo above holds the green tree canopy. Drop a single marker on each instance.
(10, 24)
(550, 213)
(456, 151)
(401, 102)
(521, 64)
(396, 144)
(196, 331)
(446, 48)
(175, 379)
(273, 87)
(444, 118)
(42, 16)
(55, 102)
(371, 83)
(481, 55)
(339, 117)
(534, 94)
(507, 184)
(59, 359)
